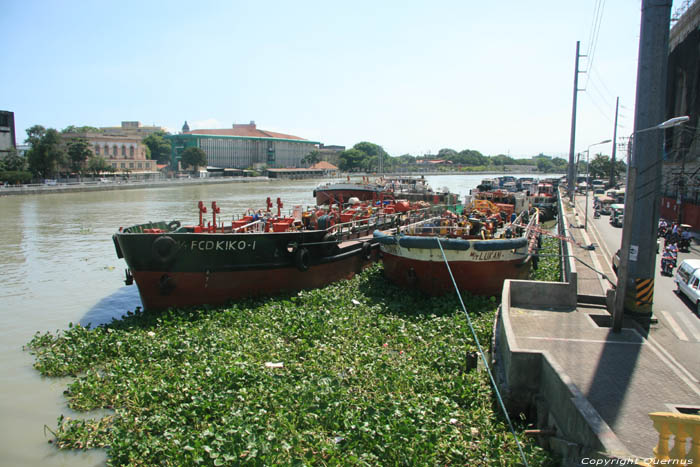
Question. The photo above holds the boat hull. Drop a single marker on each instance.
(324, 196)
(185, 269)
(159, 290)
(479, 272)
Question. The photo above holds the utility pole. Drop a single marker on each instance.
(614, 146)
(571, 186)
(636, 283)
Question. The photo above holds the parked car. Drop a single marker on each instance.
(687, 279)
(616, 261)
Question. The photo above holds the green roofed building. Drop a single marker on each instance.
(243, 146)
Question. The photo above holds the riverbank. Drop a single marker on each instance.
(88, 186)
(358, 372)
(79, 187)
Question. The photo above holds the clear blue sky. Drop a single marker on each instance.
(410, 76)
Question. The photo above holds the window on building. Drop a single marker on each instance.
(123, 165)
(123, 151)
(115, 150)
(139, 165)
(131, 165)
(131, 152)
(114, 164)
(97, 149)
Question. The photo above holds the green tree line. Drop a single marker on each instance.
(370, 157)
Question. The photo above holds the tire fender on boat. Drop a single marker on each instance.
(367, 250)
(301, 259)
(174, 225)
(164, 249)
(330, 245)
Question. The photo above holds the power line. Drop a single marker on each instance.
(594, 35)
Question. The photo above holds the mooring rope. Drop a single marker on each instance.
(483, 356)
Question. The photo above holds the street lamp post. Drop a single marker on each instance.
(585, 222)
(625, 253)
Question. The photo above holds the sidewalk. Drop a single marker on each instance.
(593, 388)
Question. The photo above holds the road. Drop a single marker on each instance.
(678, 329)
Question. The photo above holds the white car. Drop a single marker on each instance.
(687, 279)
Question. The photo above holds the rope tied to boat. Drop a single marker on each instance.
(483, 356)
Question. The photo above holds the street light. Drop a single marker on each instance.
(621, 289)
(585, 222)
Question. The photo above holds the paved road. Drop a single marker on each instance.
(678, 330)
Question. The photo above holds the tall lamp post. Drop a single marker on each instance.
(622, 273)
(585, 222)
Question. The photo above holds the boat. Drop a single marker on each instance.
(507, 201)
(545, 199)
(406, 188)
(259, 253)
(482, 251)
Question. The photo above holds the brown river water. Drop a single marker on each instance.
(59, 266)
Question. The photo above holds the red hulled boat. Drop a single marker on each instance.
(481, 249)
(261, 253)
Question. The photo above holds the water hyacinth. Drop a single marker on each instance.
(357, 373)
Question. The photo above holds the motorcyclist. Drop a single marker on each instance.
(669, 258)
(684, 241)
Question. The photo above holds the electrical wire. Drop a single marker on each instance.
(483, 356)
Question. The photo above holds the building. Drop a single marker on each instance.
(331, 153)
(126, 154)
(132, 129)
(680, 197)
(7, 133)
(243, 146)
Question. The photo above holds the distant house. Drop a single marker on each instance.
(7, 133)
(126, 154)
(327, 167)
(243, 146)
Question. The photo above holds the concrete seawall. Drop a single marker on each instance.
(93, 186)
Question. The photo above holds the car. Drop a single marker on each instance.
(616, 261)
(687, 279)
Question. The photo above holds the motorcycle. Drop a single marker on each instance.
(684, 244)
(596, 214)
(662, 231)
(669, 259)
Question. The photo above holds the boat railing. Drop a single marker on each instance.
(255, 226)
(379, 220)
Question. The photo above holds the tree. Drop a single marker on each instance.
(78, 153)
(314, 157)
(502, 159)
(34, 135)
(160, 147)
(193, 157)
(80, 129)
(98, 164)
(14, 162)
(371, 150)
(46, 155)
(446, 154)
(350, 159)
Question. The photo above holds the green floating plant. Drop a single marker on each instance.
(358, 373)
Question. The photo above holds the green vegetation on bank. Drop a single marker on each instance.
(370, 157)
(549, 261)
(358, 373)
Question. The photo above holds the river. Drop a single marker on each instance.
(59, 266)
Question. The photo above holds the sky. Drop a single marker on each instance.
(411, 76)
